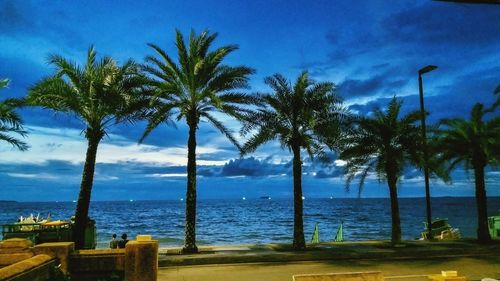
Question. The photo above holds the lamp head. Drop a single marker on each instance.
(426, 69)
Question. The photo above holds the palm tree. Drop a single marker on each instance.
(100, 94)
(384, 143)
(10, 121)
(475, 143)
(193, 89)
(497, 102)
(302, 116)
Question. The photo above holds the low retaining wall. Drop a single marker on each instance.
(138, 261)
(15, 250)
(37, 268)
(94, 264)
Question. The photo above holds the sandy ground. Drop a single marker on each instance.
(473, 268)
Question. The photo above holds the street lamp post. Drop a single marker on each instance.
(426, 69)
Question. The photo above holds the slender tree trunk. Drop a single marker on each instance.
(82, 207)
(190, 228)
(396, 221)
(298, 226)
(483, 234)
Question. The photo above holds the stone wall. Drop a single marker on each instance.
(94, 264)
(138, 261)
(15, 250)
(36, 268)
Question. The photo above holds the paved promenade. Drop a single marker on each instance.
(472, 268)
(413, 259)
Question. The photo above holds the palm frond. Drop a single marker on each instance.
(382, 140)
(21, 145)
(199, 83)
(223, 129)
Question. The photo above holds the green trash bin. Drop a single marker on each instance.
(90, 235)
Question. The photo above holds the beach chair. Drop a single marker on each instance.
(347, 276)
(450, 275)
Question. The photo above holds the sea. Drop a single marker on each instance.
(259, 220)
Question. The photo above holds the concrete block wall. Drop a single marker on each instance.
(36, 268)
(15, 250)
(138, 261)
(94, 264)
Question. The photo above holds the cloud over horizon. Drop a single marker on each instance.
(371, 50)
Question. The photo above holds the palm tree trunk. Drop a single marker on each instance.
(82, 207)
(190, 228)
(298, 226)
(483, 234)
(396, 221)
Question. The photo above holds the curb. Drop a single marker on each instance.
(332, 254)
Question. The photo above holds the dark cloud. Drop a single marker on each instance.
(351, 43)
(167, 136)
(60, 180)
(451, 36)
(24, 18)
(329, 173)
(253, 167)
(381, 83)
(453, 100)
(208, 171)
(440, 23)
(12, 19)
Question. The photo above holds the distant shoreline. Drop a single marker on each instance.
(240, 199)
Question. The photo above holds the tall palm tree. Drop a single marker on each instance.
(193, 89)
(100, 94)
(497, 102)
(383, 143)
(11, 122)
(475, 143)
(305, 116)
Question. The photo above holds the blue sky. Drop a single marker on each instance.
(371, 50)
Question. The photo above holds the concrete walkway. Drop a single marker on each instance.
(326, 251)
(472, 268)
(278, 262)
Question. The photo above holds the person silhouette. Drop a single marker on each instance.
(121, 243)
(113, 244)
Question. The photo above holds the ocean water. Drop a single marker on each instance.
(258, 221)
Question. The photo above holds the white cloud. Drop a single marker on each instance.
(39, 176)
(339, 163)
(70, 145)
(173, 175)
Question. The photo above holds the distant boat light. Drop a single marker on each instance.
(182, 199)
(244, 198)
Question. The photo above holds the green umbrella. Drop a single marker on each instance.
(315, 237)
(339, 237)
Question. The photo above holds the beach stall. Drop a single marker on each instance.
(48, 231)
(494, 226)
